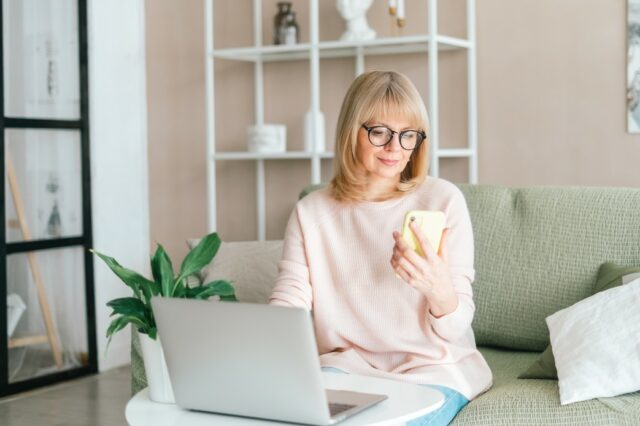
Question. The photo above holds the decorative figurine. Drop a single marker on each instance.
(354, 12)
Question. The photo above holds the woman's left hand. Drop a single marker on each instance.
(429, 274)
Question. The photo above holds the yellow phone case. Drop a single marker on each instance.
(431, 223)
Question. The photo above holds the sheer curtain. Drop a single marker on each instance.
(43, 193)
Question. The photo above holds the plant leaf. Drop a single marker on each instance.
(220, 288)
(163, 271)
(200, 256)
(121, 322)
(228, 298)
(129, 306)
(196, 293)
(155, 271)
(152, 333)
(179, 290)
(215, 288)
(116, 325)
(140, 285)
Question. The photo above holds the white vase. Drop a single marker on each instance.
(155, 367)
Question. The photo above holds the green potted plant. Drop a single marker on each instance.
(136, 309)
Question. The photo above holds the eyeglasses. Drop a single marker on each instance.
(382, 135)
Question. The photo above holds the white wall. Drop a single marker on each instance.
(119, 182)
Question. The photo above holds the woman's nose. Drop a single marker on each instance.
(394, 144)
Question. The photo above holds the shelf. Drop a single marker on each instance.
(428, 45)
(302, 155)
(340, 49)
(290, 155)
(267, 53)
(455, 153)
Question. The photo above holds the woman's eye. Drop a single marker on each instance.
(378, 132)
(409, 136)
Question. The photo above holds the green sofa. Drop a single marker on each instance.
(538, 250)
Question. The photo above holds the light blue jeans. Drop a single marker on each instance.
(453, 403)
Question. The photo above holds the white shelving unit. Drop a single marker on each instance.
(258, 54)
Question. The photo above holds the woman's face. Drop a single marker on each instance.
(383, 163)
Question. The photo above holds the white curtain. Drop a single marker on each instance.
(42, 81)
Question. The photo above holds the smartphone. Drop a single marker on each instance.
(431, 223)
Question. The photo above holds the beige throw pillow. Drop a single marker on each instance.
(252, 267)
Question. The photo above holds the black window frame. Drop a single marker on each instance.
(85, 240)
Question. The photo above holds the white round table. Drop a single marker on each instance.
(405, 402)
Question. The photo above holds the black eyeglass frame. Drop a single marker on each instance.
(393, 132)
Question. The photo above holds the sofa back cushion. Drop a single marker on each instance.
(538, 250)
(252, 267)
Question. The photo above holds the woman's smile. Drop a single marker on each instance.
(388, 162)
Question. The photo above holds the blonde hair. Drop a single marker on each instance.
(373, 95)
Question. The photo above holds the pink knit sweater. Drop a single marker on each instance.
(367, 321)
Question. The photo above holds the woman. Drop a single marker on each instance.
(380, 309)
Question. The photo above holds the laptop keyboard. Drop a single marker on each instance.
(336, 408)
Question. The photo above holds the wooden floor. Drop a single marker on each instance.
(97, 400)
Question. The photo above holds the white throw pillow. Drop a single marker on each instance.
(596, 344)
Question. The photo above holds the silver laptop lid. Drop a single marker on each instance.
(243, 359)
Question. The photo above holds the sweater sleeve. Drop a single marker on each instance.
(460, 244)
(293, 287)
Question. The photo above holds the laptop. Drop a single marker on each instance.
(250, 360)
